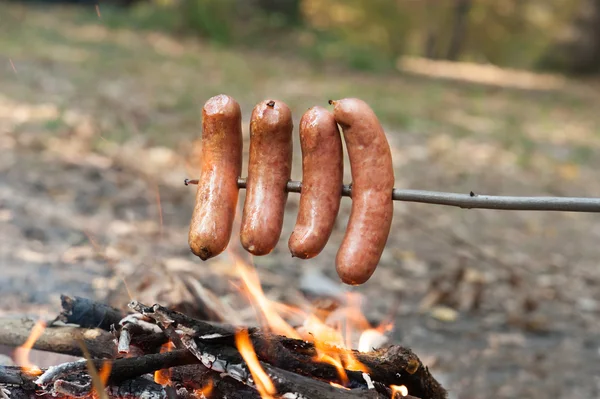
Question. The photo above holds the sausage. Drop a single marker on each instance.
(217, 194)
(322, 181)
(269, 170)
(372, 184)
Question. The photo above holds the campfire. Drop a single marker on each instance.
(320, 350)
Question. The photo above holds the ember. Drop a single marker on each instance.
(163, 377)
(329, 350)
(261, 379)
(192, 358)
(319, 349)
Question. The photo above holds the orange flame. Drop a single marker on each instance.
(264, 385)
(163, 376)
(335, 361)
(332, 347)
(274, 321)
(399, 390)
(105, 372)
(332, 342)
(21, 353)
(206, 390)
(334, 332)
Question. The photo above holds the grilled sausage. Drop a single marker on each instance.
(322, 181)
(269, 170)
(372, 184)
(221, 165)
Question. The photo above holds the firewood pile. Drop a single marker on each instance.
(155, 352)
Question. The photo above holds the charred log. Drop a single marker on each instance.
(81, 387)
(207, 355)
(15, 331)
(215, 347)
(87, 313)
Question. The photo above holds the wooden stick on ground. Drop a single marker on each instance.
(15, 331)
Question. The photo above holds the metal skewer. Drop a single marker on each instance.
(471, 200)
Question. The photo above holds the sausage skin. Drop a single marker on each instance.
(269, 170)
(217, 194)
(322, 181)
(372, 184)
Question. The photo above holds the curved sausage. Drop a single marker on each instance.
(217, 193)
(322, 181)
(269, 170)
(372, 184)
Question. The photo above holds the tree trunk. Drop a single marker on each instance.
(459, 29)
(577, 51)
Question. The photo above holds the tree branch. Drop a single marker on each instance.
(471, 200)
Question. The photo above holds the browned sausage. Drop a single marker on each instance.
(372, 184)
(322, 181)
(269, 170)
(221, 165)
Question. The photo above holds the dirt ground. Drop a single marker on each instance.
(96, 136)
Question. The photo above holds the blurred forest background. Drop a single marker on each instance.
(100, 121)
(559, 35)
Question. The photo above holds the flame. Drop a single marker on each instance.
(21, 353)
(333, 330)
(99, 383)
(205, 391)
(264, 385)
(105, 372)
(335, 361)
(163, 377)
(399, 390)
(372, 337)
(274, 321)
(331, 345)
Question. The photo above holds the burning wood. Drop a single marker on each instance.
(164, 353)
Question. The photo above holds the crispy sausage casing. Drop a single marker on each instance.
(322, 181)
(217, 193)
(269, 170)
(372, 184)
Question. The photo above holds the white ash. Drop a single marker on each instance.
(237, 371)
(367, 378)
(210, 361)
(54, 372)
(124, 341)
(137, 319)
(190, 344)
(138, 388)
(211, 336)
(72, 389)
(160, 317)
(185, 330)
(293, 395)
